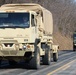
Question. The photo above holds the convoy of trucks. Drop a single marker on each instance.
(26, 33)
(74, 41)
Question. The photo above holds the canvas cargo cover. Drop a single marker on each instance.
(47, 15)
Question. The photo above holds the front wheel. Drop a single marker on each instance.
(74, 48)
(35, 61)
(0, 62)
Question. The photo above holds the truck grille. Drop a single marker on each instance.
(5, 52)
(9, 52)
(8, 44)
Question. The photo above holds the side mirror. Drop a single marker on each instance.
(35, 20)
(38, 20)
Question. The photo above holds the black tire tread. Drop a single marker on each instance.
(55, 58)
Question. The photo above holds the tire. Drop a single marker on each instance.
(35, 61)
(47, 57)
(55, 57)
(12, 62)
(0, 62)
(74, 49)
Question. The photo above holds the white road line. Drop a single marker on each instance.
(65, 54)
(7, 71)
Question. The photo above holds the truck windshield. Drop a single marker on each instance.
(16, 20)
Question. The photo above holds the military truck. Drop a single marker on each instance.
(74, 41)
(26, 33)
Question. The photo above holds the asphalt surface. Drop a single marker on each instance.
(66, 65)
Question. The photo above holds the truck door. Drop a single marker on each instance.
(33, 26)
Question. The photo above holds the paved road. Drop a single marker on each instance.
(66, 65)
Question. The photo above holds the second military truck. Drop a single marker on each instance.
(26, 33)
(74, 41)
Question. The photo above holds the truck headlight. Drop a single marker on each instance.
(24, 47)
(75, 44)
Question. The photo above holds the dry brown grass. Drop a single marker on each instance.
(65, 43)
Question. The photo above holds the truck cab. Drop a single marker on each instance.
(17, 30)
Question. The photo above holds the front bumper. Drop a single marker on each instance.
(4, 53)
(11, 53)
(13, 48)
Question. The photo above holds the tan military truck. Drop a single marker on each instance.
(26, 32)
